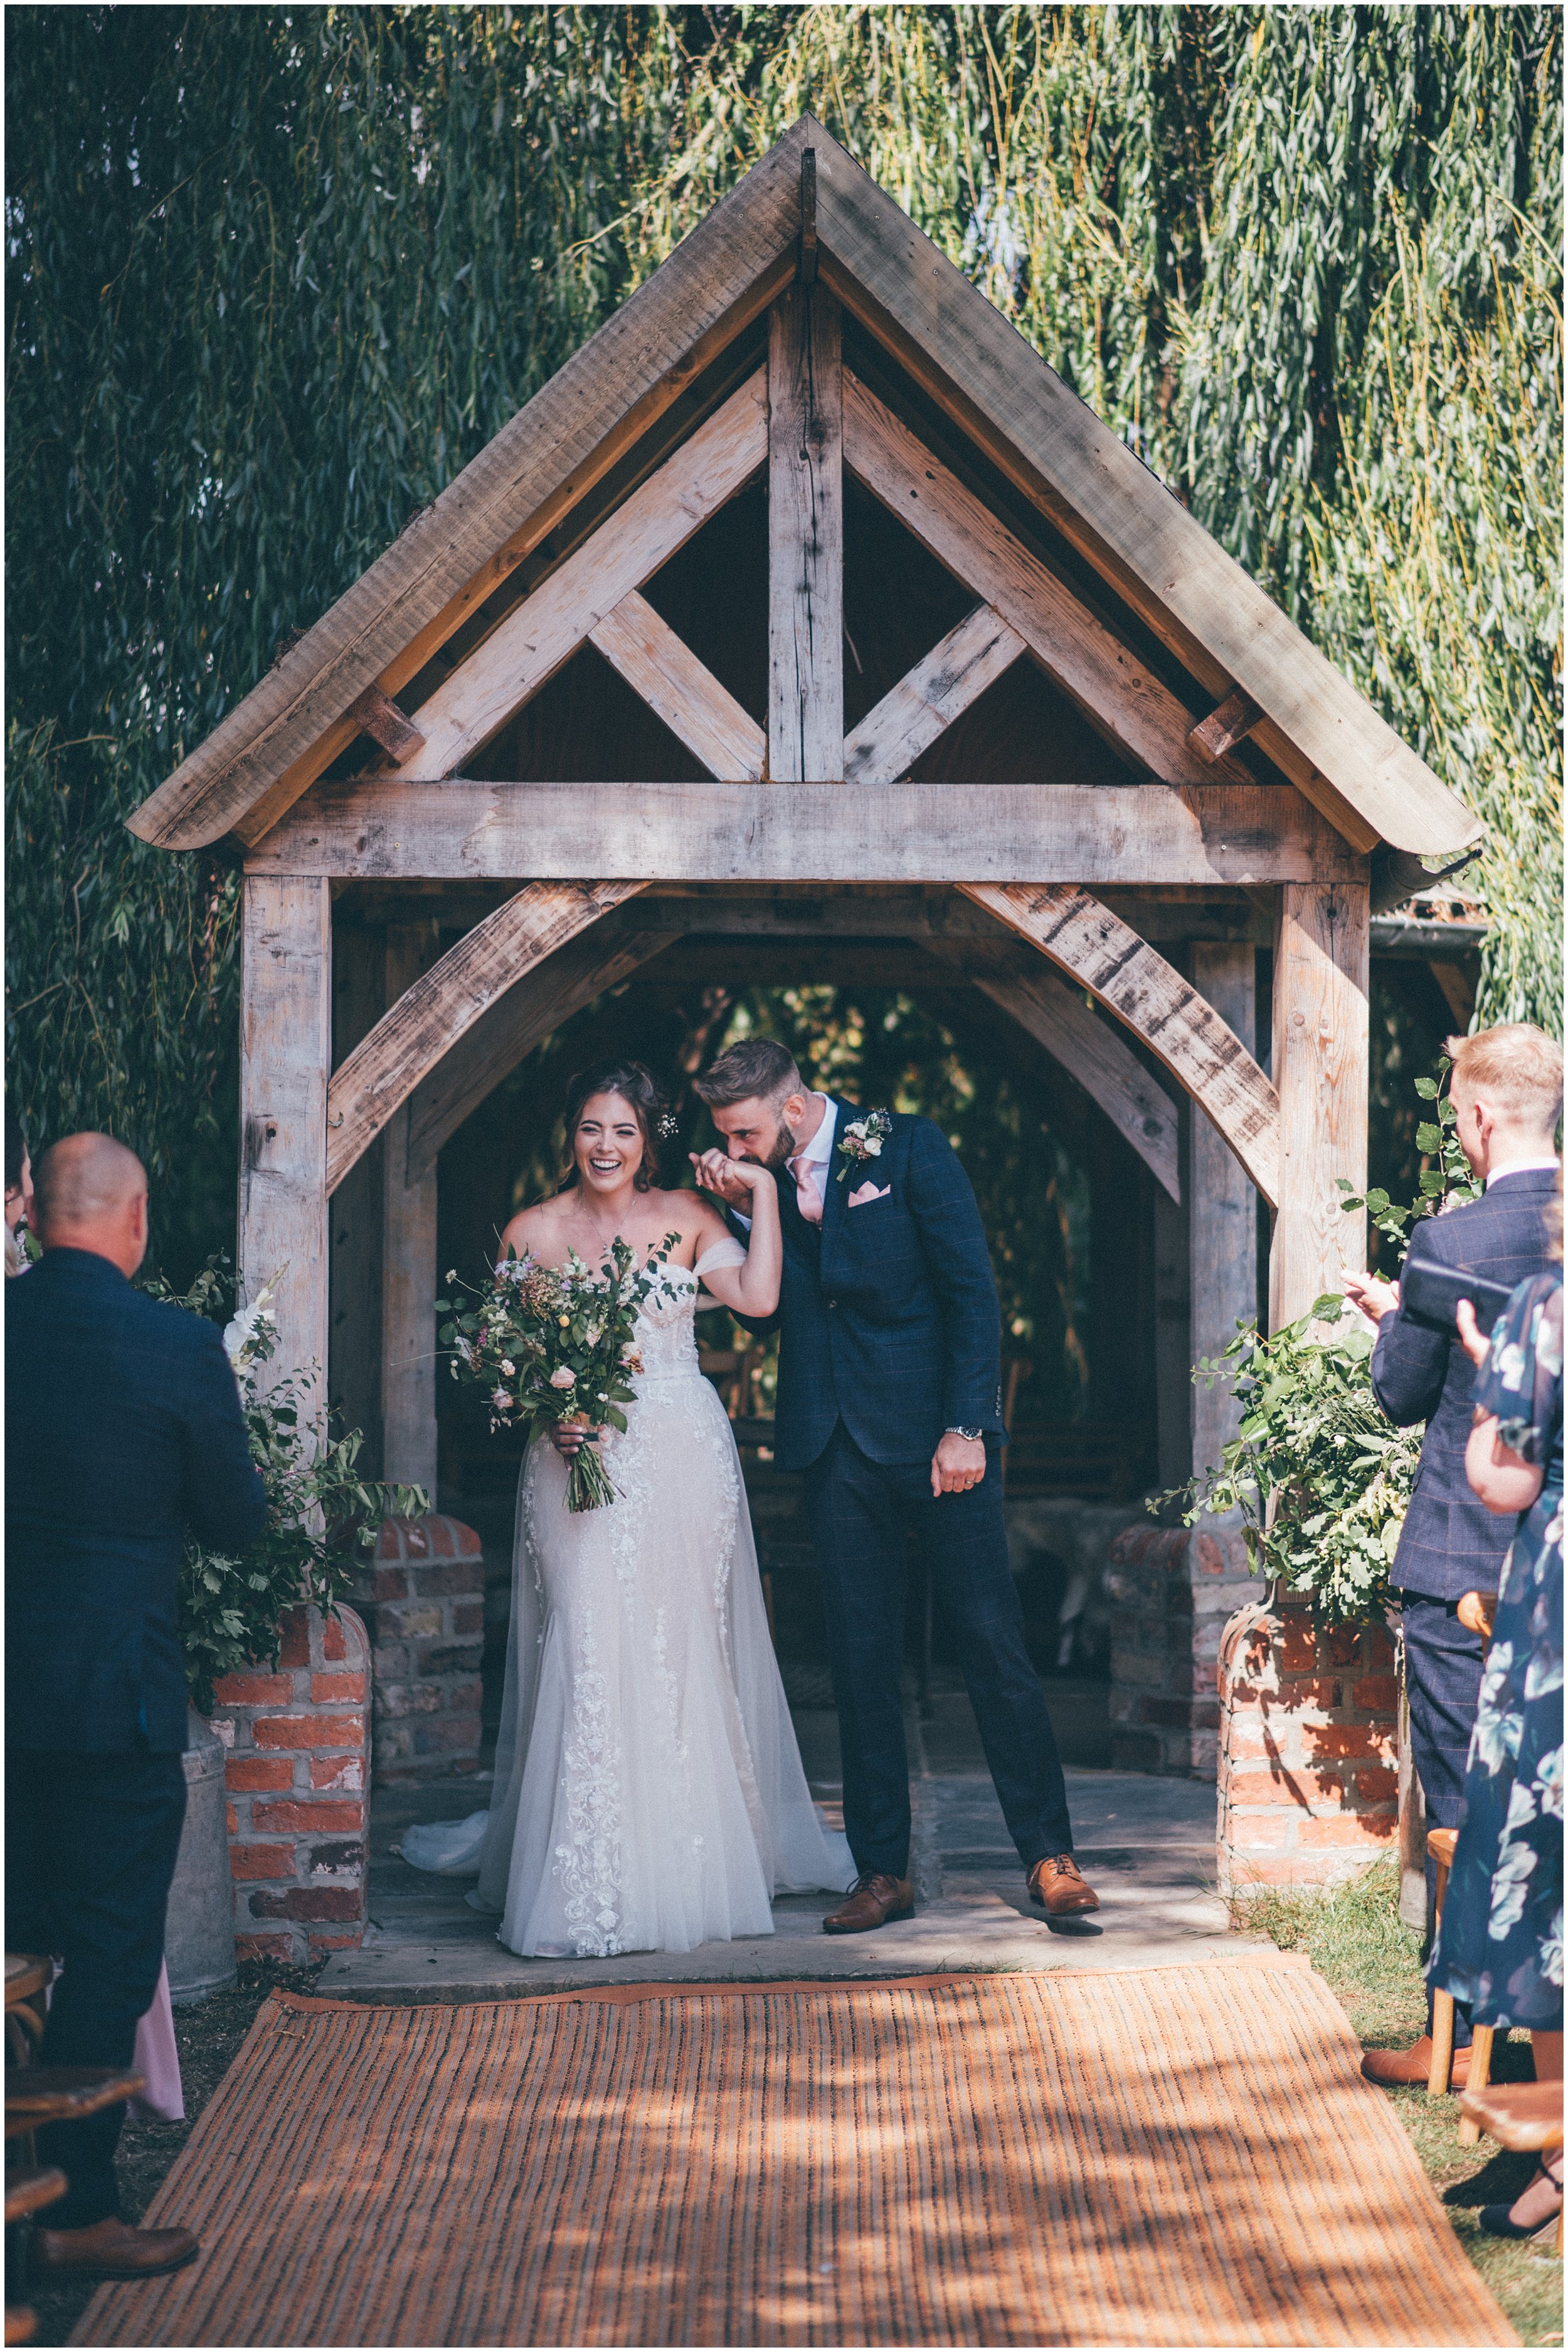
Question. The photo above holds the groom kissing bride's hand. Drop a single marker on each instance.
(890, 1402)
(958, 1461)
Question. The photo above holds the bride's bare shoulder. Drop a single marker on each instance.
(532, 1229)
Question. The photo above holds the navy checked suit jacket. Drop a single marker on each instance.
(888, 1314)
(1451, 1544)
(122, 1428)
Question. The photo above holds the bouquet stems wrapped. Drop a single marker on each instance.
(551, 1345)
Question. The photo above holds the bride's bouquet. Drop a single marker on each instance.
(547, 1345)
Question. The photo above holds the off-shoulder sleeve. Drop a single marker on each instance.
(725, 1252)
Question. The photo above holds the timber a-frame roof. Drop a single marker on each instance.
(582, 447)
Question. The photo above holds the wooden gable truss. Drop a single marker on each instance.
(547, 544)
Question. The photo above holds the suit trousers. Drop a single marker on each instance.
(1443, 1665)
(90, 1847)
(860, 1511)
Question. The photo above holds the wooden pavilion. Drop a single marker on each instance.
(805, 603)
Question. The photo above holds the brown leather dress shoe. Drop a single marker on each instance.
(1412, 2066)
(112, 2249)
(872, 1900)
(1061, 1886)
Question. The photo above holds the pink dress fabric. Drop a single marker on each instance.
(158, 2058)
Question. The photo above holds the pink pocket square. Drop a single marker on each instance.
(869, 1193)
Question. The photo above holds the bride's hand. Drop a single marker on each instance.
(569, 1437)
(735, 1182)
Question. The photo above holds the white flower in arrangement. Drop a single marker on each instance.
(245, 1330)
(508, 1367)
(631, 1357)
(563, 1377)
(594, 1334)
(501, 1401)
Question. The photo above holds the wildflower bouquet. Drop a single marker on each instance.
(546, 1345)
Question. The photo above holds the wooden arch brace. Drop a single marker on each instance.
(1136, 983)
(409, 1039)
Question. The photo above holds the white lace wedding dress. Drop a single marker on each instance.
(649, 1794)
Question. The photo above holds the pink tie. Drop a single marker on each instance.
(808, 1199)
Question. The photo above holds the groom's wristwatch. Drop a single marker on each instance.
(969, 1434)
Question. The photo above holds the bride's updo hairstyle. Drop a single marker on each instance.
(636, 1085)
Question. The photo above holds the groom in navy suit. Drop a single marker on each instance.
(889, 1400)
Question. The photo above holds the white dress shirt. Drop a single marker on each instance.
(1518, 1168)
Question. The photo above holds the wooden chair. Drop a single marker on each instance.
(28, 1976)
(1526, 2115)
(35, 2095)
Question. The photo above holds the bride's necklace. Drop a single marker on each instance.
(605, 1247)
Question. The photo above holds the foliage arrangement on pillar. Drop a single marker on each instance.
(297, 1764)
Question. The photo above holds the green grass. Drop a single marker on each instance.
(1371, 1963)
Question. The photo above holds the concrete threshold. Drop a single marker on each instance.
(1145, 1845)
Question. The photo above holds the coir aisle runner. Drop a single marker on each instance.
(1165, 2156)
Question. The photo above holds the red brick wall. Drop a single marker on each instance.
(424, 1604)
(1309, 1780)
(298, 1741)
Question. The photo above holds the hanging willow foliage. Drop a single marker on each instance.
(276, 275)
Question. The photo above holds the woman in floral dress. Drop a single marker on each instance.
(1499, 1948)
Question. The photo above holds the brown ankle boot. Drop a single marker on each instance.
(871, 1902)
(112, 2249)
(1413, 2065)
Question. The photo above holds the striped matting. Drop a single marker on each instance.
(1176, 2156)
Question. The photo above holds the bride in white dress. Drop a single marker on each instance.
(649, 1794)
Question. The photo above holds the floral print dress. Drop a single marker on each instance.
(1499, 1948)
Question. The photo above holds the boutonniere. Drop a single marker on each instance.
(864, 1139)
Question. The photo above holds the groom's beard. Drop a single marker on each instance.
(779, 1150)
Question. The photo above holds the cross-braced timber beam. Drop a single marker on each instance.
(1136, 983)
(445, 1002)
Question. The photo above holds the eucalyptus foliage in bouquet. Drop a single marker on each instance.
(1320, 1474)
(547, 1344)
(322, 1516)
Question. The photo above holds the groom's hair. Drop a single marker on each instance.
(757, 1068)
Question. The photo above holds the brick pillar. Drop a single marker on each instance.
(296, 1741)
(1309, 1782)
(424, 1602)
(1171, 1592)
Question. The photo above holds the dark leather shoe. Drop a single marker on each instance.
(872, 1900)
(1412, 2066)
(1061, 1886)
(112, 2249)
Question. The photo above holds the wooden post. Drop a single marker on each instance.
(408, 1263)
(354, 1366)
(1222, 1206)
(286, 1035)
(805, 539)
(1321, 1046)
(1173, 1325)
